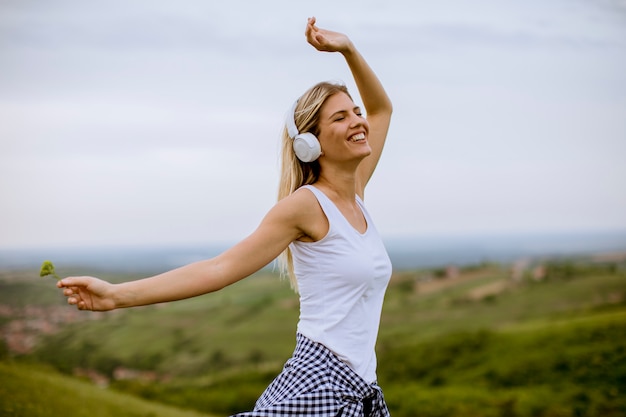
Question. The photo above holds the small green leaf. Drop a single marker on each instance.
(48, 269)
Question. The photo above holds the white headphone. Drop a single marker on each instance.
(305, 145)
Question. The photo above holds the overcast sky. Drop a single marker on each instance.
(157, 122)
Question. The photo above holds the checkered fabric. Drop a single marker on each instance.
(314, 382)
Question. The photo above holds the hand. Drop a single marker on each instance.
(88, 293)
(326, 40)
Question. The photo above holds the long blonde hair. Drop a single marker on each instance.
(293, 172)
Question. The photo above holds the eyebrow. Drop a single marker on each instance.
(354, 109)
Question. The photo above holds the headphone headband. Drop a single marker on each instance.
(290, 121)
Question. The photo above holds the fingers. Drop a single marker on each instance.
(73, 297)
(317, 40)
(324, 39)
(72, 290)
(65, 282)
(81, 305)
(74, 282)
(310, 29)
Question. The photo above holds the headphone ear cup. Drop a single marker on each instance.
(307, 147)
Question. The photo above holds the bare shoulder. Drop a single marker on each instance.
(302, 208)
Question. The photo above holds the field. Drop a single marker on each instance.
(543, 339)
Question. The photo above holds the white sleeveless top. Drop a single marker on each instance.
(342, 280)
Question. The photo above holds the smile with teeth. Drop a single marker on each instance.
(358, 137)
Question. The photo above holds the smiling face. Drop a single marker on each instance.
(343, 130)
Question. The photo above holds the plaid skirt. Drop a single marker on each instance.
(314, 382)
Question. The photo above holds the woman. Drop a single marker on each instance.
(329, 248)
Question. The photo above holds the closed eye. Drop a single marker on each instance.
(341, 115)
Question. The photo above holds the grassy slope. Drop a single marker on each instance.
(34, 391)
(534, 349)
(444, 350)
(415, 317)
(567, 368)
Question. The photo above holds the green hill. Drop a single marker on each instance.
(470, 342)
(36, 391)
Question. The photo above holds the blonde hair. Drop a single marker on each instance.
(293, 172)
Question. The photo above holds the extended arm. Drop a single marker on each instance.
(282, 224)
(375, 100)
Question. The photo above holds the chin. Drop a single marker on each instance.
(363, 155)
(367, 152)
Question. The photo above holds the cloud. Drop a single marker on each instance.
(134, 121)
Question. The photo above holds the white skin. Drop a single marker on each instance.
(346, 167)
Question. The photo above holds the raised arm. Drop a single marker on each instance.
(375, 100)
(285, 222)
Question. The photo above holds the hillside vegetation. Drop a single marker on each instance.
(36, 391)
(545, 341)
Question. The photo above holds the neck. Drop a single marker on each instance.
(341, 183)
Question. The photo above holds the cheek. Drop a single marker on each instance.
(365, 124)
(327, 138)
(328, 143)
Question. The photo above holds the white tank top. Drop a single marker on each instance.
(342, 280)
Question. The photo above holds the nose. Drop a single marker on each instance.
(356, 120)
